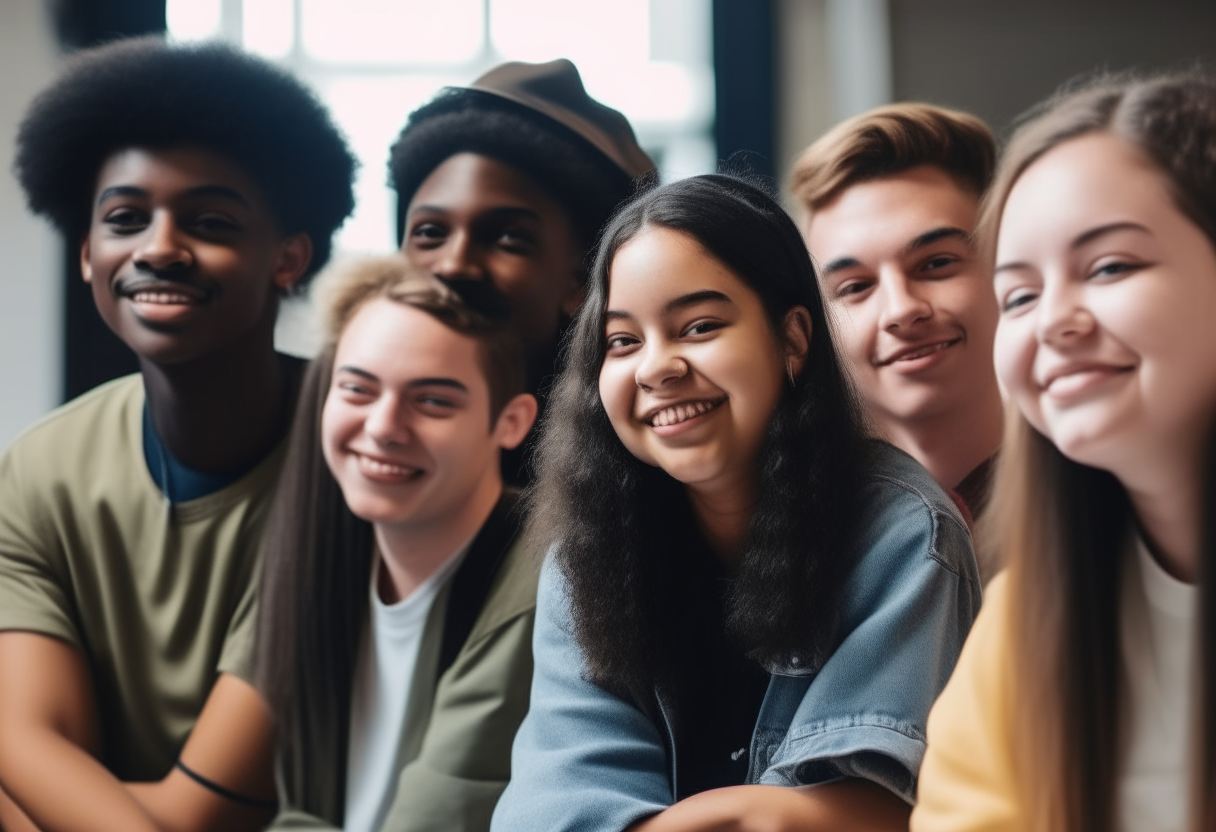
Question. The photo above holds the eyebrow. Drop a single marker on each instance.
(946, 232)
(439, 381)
(221, 191)
(1083, 240)
(499, 213)
(436, 381)
(675, 304)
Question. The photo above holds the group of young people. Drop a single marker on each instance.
(757, 457)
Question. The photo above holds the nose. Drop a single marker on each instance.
(384, 423)
(162, 247)
(660, 364)
(903, 305)
(1062, 316)
(459, 258)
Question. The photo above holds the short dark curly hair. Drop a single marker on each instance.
(459, 120)
(144, 92)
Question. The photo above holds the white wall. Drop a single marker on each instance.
(30, 259)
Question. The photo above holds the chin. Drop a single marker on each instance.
(376, 511)
(692, 473)
(1086, 446)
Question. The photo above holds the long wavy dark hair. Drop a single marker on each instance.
(622, 530)
(1061, 527)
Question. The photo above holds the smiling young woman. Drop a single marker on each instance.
(1084, 698)
(748, 607)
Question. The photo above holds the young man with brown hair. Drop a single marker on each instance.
(890, 200)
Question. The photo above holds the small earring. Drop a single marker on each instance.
(789, 371)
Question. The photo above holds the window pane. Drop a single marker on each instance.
(392, 31)
(588, 32)
(192, 19)
(372, 111)
(266, 27)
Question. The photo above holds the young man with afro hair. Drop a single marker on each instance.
(201, 185)
(507, 182)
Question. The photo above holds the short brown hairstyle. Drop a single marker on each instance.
(346, 288)
(889, 140)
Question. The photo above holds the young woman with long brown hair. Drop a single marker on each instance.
(1083, 701)
(749, 607)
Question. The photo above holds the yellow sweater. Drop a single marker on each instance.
(967, 777)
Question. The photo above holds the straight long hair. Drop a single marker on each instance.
(313, 600)
(317, 555)
(1061, 527)
(621, 528)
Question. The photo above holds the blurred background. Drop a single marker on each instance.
(698, 79)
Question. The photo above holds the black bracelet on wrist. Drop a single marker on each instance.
(235, 797)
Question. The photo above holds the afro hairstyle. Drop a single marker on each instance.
(569, 168)
(144, 92)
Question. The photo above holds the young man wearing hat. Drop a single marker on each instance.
(199, 184)
(503, 187)
(508, 181)
(891, 198)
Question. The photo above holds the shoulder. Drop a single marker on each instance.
(513, 593)
(905, 510)
(77, 454)
(967, 780)
(977, 693)
(77, 426)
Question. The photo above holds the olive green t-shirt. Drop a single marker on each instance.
(156, 596)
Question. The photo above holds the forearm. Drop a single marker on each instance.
(846, 806)
(231, 755)
(60, 787)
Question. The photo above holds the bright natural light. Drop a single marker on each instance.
(592, 34)
(193, 19)
(372, 112)
(374, 61)
(392, 31)
(267, 27)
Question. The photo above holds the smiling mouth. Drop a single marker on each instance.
(162, 292)
(920, 352)
(380, 469)
(677, 413)
(166, 298)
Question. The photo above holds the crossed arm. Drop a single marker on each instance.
(51, 780)
(847, 806)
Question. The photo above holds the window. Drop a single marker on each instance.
(374, 61)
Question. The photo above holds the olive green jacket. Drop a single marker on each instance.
(455, 750)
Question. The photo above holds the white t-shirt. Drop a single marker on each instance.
(1158, 642)
(384, 671)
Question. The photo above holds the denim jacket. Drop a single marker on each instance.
(585, 759)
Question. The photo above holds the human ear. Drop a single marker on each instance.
(515, 421)
(796, 333)
(86, 267)
(295, 253)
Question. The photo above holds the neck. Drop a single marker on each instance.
(724, 515)
(953, 444)
(224, 411)
(1168, 507)
(412, 552)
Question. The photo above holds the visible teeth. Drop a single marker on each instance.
(923, 351)
(160, 297)
(680, 413)
(386, 468)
